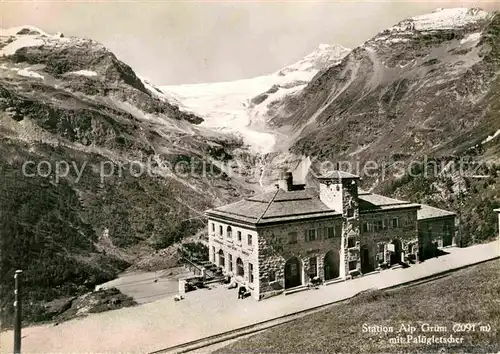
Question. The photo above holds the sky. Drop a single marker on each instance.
(181, 42)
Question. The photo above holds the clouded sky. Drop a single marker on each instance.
(179, 42)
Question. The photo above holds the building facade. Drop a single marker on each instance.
(498, 212)
(281, 240)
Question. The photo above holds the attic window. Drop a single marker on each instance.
(229, 232)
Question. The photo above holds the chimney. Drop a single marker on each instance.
(286, 181)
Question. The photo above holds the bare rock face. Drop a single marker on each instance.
(28, 31)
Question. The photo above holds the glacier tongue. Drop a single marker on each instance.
(226, 107)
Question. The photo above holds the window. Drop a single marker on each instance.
(239, 267)
(311, 235)
(229, 232)
(230, 262)
(385, 224)
(381, 253)
(353, 265)
(213, 254)
(330, 232)
(272, 275)
(395, 223)
(378, 225)
(222, 261)
(213, 227)
(338, 230)
(220, 230)
(350, 242)
(350, 212)
(250, 272)
(239, 235)
(292, 238)
(249, 239)
(313, 267)
(365, 227)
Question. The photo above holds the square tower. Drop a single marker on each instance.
(339, 191)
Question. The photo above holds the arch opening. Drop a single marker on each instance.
(331, 265)
(293, 275)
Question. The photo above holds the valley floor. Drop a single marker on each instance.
(164, 323)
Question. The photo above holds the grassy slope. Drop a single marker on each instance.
(470, 295)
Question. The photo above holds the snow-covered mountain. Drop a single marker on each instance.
(241, 107)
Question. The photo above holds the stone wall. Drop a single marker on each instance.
(276, 247)
(439, 231)
(374, 239)
(234, 249)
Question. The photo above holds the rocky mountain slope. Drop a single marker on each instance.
(428, 84)
(415, 111)
(97, 167)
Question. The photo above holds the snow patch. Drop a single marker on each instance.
(89, 73)
(442, 19)
(28, 73)
(473, 37)
(491, 137)
(20, 42)
(449, 18)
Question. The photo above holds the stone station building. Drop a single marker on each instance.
(278, 241)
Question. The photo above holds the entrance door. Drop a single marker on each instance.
(396, 255)
(331, 265)
(292, 273)
(366, 261)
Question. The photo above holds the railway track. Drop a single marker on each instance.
(218, 340)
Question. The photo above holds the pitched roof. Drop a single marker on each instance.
(428, 212)
(373, 202)
(276, 206)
